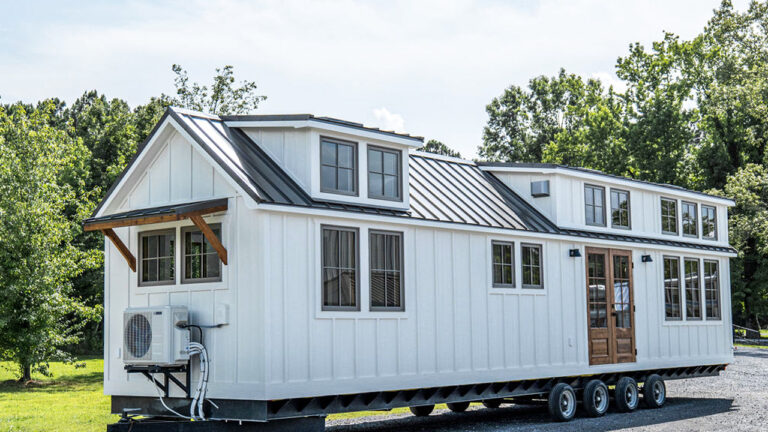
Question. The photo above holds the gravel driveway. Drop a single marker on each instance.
(737, 400)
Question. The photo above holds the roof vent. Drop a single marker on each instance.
(540, 188)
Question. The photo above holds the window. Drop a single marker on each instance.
(340, 282)
(692, 290)
(503, 264)
(708, 222)
(668, 216)
(337, 167)
(156, 257)
(672, 288)
(532, 277)
(690, 220)
(201, 262)
(619, 208)
(386, 270)
(594, 204)
(384, 174)
(712, 289)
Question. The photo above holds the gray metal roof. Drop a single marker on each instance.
(174, 209)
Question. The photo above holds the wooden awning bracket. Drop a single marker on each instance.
(210, 236)
(124, 251)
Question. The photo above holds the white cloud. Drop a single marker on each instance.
(389, 121)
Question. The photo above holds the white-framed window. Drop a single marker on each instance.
(338, 166)
(503, 263)
(672, 307)
(531, 263)
(712, 289)
(620, 209)
(340, 268)
(386, 267)
(708, 222)
(157, 259)
(690, 219)
(199, 262)
(384, 174)
(668, 216)
(692, 289)
(594, 205)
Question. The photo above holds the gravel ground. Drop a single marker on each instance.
(737, 400)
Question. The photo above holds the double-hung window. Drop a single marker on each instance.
(532, 266)
(340, 268)
(672, 289)
(712, 290)
(386, 257)
(692, 289)
(503, 264)
(201, 262)
(594, 205)
(708, 222)
(690, 219)
(338, 161)
(156, 257)
(668, 216)
(384, 179)
(619, 209)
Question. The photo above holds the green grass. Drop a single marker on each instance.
(71, 400)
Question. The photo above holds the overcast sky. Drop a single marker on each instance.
(428, 68)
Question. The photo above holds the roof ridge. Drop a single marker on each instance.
(444, 158)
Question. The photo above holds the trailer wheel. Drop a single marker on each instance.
(562, 402)
(458, 406)
(596, 398)
(654, 392)
(422, 410)
(492, 403)
(626, 394)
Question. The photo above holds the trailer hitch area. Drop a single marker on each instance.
(127, 416)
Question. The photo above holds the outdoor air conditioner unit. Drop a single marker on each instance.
(152, 336)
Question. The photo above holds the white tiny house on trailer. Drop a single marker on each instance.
(331, 267)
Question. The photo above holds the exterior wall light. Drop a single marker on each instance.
(574, 253)
(646, 258)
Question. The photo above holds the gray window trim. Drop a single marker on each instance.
(680, 286)
(718, 290)
(541, 264)
(713, 238)
(593, 186)
(356, 168)
(629, 209)
(184, 279)
(399, 155)
(493, 264)
(355, 308)
(695, 218)
(685, 289)
(400, 308)
(140, 254)
(677, 216)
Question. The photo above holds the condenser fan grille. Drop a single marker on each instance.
(138, 336)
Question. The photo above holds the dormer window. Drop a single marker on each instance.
(338, 162)
(384, 178)
(708, 222)
(690, 220)
(619, 208)
(668, 216)
(594, 205)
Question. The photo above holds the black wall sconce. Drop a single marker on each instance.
(575, 253)
(646, 258)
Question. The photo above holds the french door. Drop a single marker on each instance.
(610, 308)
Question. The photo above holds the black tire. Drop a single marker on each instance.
(492, 403)
(596, 398)
(562, 402)
(458, 406)
(654, 392)
(422, 410)
(626, 395)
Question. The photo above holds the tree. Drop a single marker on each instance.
(437, 147)
(39, 316)
(224, 98)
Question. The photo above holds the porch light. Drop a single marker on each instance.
(575, 253)
(646, 258)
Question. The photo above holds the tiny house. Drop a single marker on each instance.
(324, 266)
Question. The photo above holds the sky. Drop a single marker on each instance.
(428, 68)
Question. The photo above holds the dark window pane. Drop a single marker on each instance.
(346, 156)
(212, 265)
(331, 287)
(375, 184)
(330, 248)
(346, 180)
(328, 177)
(328, 153)
(348, 288)
(391, 187)
(375, 161)
(378, 289)
(390, 163)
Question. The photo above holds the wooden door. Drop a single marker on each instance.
(610, 310)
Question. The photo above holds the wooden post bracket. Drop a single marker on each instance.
(108, 232)
(211, 237)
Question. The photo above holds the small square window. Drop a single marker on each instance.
(338, 167)
(503, 264)
(157, 257)
(200, 262)
(384, 179)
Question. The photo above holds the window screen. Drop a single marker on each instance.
(386, 270)
(157, 257)
(340, 283)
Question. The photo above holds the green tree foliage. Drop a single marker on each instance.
(437, 147)
(222, 98)
(39, 315)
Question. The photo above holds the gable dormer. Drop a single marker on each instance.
(335, 160)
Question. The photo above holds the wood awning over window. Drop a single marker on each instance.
(192, 211)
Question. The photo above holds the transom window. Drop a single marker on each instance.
(201, 262)
(340, 281)
(386, 250)
(672, 309)
(157, 257)
(531, 263)
(338, 160)
(619, 208)
(712, 289)
(690, 220)
(503, 264)
(692, 290)
(668, 216)
(708, 222)
(384, 179)
(594, 205)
